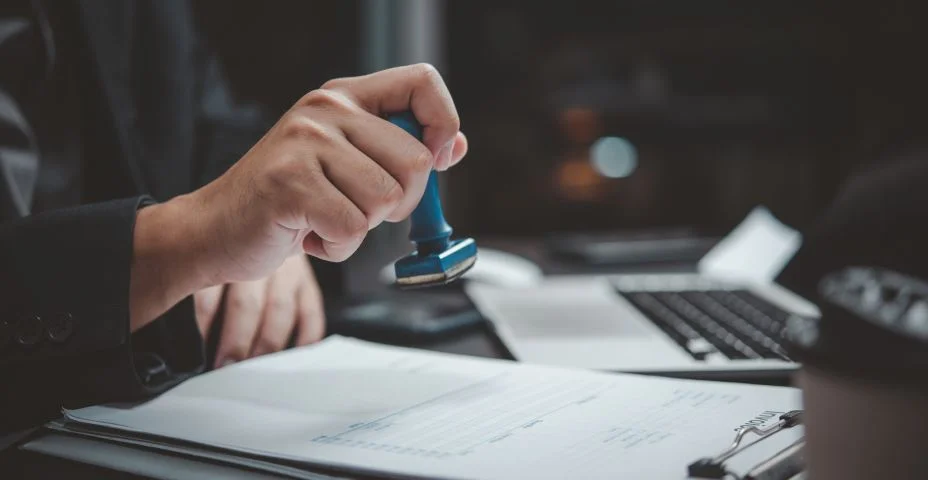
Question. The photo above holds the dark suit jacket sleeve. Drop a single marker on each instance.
(65, 340)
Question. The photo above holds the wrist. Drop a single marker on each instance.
(168, 261)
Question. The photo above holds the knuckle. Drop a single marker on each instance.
(319, 97)
(277, 303)
(356, 225)
(353, 223)
(430, 78)
(334, 84)
(384, 188)
(243, 303)
(295, 173)
(326, 98)
(427, 72)
(239, 303)
(422, 160)
(298, 125)
(450, 120)
(392, 191)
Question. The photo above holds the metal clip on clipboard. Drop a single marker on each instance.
(783, 465)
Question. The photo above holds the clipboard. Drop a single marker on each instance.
(786, 464)
(336, 405)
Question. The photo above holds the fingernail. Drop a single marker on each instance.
(226, 362)
(443, 159)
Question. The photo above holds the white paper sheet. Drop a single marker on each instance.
(756, 251)
(406, 413)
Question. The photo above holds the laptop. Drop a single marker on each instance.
(724, 322)
(672, 324)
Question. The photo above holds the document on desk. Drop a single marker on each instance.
(402, 413)
(755, 251)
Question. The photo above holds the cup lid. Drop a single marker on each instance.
(874, 324)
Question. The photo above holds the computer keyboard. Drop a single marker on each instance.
(734, 323)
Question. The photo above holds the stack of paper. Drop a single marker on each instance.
(396, 412)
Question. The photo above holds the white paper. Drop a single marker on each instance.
(370, 408)
(756, 251)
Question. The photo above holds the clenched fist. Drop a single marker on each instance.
(331, 169)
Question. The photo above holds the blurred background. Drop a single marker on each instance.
(610, 117)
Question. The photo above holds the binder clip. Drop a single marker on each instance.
(783, 465)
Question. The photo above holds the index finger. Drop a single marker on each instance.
(419, 88)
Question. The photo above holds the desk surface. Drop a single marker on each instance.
(50, 454)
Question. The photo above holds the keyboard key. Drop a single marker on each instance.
(700, 345)
(762, 318)
(668, 321)
(756, 343)
(736, 324)
(710, 329)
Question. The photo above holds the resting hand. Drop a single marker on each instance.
(261, 316)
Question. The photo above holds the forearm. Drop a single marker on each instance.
(168, 259)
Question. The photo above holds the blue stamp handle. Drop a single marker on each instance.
(428, 230)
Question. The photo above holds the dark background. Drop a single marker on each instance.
(729, 104)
